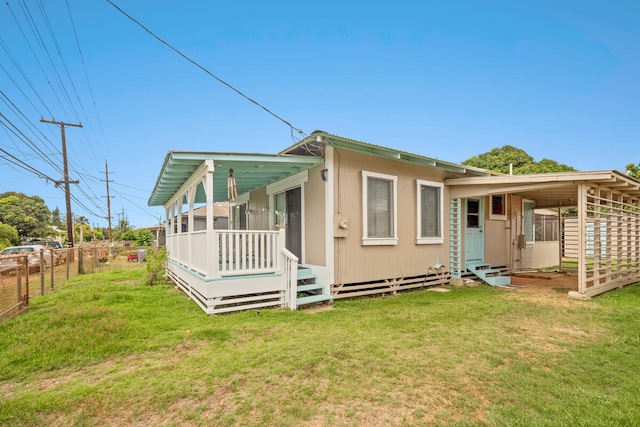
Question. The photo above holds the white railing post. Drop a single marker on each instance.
(280, 244)
(215, 242)
(290, 277)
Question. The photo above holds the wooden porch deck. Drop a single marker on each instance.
(253, 270)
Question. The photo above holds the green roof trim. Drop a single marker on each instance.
(319, 138)
(250, 170)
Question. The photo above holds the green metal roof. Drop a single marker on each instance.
(318, 139)
(250, 170)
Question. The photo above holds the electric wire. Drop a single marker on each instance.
(26, 39)
(43, 46)
(66, 69)
(86, 74)
(291, 127)
(24, 119)
(59, 51)
(24, 76)
(18, 133)
(16, 161)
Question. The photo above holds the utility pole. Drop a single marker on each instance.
(106, 168)
(67, 189)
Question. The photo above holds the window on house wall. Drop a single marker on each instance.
(379, 209)
(430, 212)
(546, 228)
(498, 204)
(528, 221)
(280, 211)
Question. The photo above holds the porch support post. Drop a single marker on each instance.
(178, 207)
(559, 239)
(329, 214)
(582, 240)
(212, 241)
(167, 228)
(191, 196)
(455, 241)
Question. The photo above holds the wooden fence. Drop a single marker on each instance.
(19, 282)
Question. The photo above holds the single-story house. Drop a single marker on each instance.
(331, 217)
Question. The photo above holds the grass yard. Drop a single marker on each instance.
(107, 350)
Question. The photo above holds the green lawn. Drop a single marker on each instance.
(105, 349)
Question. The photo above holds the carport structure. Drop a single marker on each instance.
(608, 224)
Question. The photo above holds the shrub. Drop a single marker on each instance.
(144, 238)
(155, 265)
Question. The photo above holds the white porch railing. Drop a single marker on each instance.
(290, 273)
(216, 253)
(248, 251)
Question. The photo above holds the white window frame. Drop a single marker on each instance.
(370, 241)
(430, 240)
(243, 199)
(493, 216)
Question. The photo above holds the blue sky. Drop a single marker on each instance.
(444, 79)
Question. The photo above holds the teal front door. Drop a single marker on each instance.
(474, 230)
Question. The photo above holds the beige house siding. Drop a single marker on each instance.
(314, 221)
(357, 263)
(258, 217)
(496, 242)
(545, 254)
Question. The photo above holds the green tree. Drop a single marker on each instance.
(122, 227)
(8, 236)
(28, 214)
(144, 238)
(130, 235)
(500, 160)
(633, 170)
(56, 218)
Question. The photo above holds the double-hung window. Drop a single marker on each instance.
(379, 206)
(430, 212)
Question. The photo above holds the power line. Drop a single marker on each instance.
(291, 127)
(86, 74)
(17, 162)
(26, 39)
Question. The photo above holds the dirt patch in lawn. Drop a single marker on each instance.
(543, 283)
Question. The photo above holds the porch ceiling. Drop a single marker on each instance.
(250, 170)
(548, 190)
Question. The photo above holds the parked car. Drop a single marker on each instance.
(33, 256)
(51, 243)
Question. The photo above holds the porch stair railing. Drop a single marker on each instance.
(301, 285)
(491, 276)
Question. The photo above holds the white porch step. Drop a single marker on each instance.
(313, 299)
